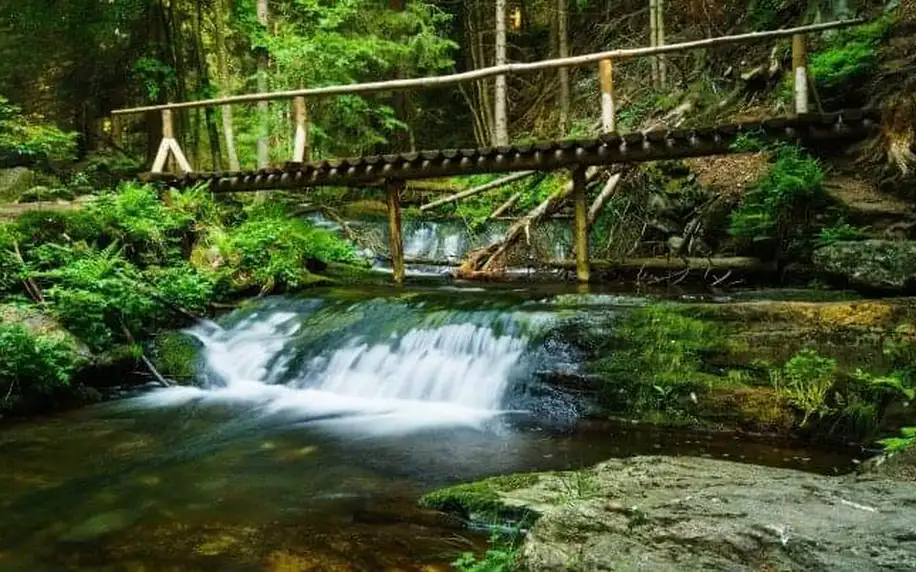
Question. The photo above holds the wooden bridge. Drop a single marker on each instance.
(390, 171)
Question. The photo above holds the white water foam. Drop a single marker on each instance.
(448, 375)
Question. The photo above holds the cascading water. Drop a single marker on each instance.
(379, 365)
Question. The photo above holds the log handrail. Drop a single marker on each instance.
(445, 80)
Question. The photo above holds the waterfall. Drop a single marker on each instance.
(376, 365)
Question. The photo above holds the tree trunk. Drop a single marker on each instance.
(224, 85)
(501, 134)
(263, 106)
(653, 37)
(204, 84)
(660, 41)
(563, 52)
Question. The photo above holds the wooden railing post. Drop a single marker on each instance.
(580, 184)
(169, 145)
(800, 71)
(608, 106)
(395, 240)
(301, 140)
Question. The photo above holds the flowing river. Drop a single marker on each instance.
(318, 423)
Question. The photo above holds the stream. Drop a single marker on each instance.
(318, 423)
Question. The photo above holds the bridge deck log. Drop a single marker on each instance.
(811, 129)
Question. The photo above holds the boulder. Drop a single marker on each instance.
(680, 513)
(14, 182)
(874, 265)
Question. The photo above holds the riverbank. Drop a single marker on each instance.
(682, 513)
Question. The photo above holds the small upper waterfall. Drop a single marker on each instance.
(380, 364)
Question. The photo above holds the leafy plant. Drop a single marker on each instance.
(906, 440)
(805, 382)
(33, 363)
(500, 557)
(92, 300)
(24, 137)
(771, 209)
(272, 250)
(839, 231)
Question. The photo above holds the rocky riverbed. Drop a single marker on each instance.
(681, 513)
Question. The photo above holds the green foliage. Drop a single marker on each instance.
(272, 250)
(906, 440)
(656, 357)
(476, 210)
(849, 55)
(9, 266)
(30, 138)
(839, 231)
(500, 557)
(34, 363)
(771, 210)
(92, 300)
(182, 285)
(174, 355)
(134, 216)
(805, 382)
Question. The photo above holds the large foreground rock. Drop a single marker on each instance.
(882, 265)
(662, 513)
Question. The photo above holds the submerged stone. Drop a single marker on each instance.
(877, 265)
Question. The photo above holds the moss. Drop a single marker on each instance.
(174, 355)
(482, 501)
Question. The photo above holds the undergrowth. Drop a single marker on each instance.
(114, 272)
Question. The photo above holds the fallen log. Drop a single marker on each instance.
(501, 209)
(735, 263)
(489, 260)
(606, 193)
(477, 190)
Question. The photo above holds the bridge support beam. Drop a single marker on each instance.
(608, 111)
(800, 72)
(169, 145)
(580, 188)
(395, 239)
(301, 139)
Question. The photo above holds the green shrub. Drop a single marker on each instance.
(849, 55)
(182, 285)
(9, 266)
(500, 557)
(906, 440)
(29, 138)
(93, 301)
(774, 208)
(272, 250)
(33, 363)
(839, 231)
(805, 382)
(134, 216)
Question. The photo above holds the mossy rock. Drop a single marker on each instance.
(871, 265)
(14, 182)
(482, 501)
(175, 356)
(40, 324)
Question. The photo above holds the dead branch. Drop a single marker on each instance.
(477, 190)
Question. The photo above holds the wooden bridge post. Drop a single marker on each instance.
(169, 145)
(800, 70)
(395, 240)
(301, 140)
(580, 188)
(608, 106)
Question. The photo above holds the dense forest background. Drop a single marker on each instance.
(70, 63)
